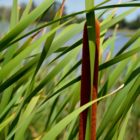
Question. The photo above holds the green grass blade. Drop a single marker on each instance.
(119, 58)
(126, 105)
(54, 72)
(27, 9)
(14, 14)
(57, 129)
(124, 126)
(25, 22)
(24, 121)
(124, 100)
(19, 74)
(21, 56)
(48, 42)
(116, 19)
(130, 42)
(117, 5)
(6, 122)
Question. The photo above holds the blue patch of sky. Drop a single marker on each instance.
(78, 5)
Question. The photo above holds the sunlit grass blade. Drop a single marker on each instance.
(66, 17)
(25, 44)
(25, 119)
(25, 22)
(131, 97)
(13, 22)
(122, 98)
(54, 72)
(70, 71)
(68, 33)
(49, 40)
(19, 74)
(6, 122)
(21, 126)
(4, 72)
(117, 5)
(58, 91)
(119, 58)
(56, 130)
(133, 75)
(116, 19)
(14, 14)
(66, 50)
(11, 103)
(27, 9)
(124, 125)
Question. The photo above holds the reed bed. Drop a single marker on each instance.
(40, 75)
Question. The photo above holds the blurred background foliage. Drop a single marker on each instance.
(5, 13)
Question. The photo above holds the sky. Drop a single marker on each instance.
(77, 5)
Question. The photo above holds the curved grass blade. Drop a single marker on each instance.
(17, 60)
(57, 129)
(119, 58)
(25, 44)
(14, 14)
(126, 105)
(19, 74)
(25, 22)
(53, 73)
(67, 49)
(124, 126)
(59, 111)
(116, 5)
(49, 41)
(6, 122)
(45, 25)
(133, 75)
(71, 15)
(27, 9)
(13, 22)
(77, 79)
(124, 99)
(70, 71)
(25, 119)
(67, 34)
(56, 93)
(116, 19)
